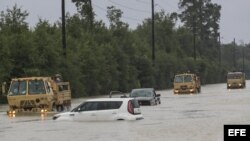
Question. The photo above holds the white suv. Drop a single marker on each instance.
(104, 109)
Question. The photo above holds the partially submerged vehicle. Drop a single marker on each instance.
(103, 109)
(236, 80)
(38, 94)
(188, 83)
(146, 96)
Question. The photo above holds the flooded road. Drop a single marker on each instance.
(179, 118)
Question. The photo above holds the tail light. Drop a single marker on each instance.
(130, 107)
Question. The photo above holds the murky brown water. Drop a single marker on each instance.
(179, 118)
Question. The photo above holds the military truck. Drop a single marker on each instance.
(236, 80)
(187, 83)
(38, 94)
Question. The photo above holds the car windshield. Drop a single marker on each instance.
(183, 78)
(36, 87)
(234, 76)
(142, 93)
(18, 88)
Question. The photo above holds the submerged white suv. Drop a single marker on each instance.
(104, 109)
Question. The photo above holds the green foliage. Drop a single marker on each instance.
(115, 57)
(202, 18)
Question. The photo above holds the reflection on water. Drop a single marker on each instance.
(178, 118)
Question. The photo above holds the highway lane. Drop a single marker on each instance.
(179, 118)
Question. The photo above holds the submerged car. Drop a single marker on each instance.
(146, 96)
(104, 109)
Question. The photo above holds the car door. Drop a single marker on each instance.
(108, 110)
(86, 112)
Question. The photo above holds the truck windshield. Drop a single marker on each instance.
(18, 88)
(234, 76)
(36, 87)
(183, 78)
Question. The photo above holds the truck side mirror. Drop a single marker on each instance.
(158, 95)
(4, 93)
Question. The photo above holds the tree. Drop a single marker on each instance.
(114, 15)
(85, 9)
(15, 37)
(202, 18)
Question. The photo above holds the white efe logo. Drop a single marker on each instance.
(236, 132)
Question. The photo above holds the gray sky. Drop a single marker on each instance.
(234, 22)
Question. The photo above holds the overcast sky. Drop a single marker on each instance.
(234, 21)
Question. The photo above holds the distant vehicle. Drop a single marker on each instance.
(38, 94)
(187, 83)
(236, 80)
(104, 109)
(146, 96)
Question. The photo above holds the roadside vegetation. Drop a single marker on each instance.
(101, 57)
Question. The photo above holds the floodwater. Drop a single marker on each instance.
(179, 118)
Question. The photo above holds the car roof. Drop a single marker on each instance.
(110, 99)
(143, 89)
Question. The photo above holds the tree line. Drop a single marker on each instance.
(101, 57)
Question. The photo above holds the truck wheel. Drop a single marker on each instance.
(59, 108)
(66, 107)
(54, 108)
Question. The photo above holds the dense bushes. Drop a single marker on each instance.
(103, 58)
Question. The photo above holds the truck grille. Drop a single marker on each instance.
(27, 103)
(184, 87)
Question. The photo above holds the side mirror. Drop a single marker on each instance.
(158, 95)
(4, 92)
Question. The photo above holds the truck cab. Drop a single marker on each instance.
(186, 83)
(38, 94)
(236, 80)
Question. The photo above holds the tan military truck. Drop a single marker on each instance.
(236, 80)
(38, 94)
(187, 83)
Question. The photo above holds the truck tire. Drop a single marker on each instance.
(54, 107)
(59, 108)
(199, 90)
